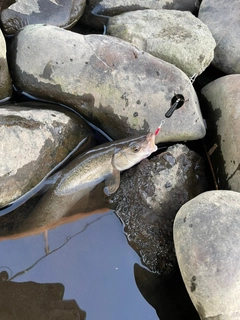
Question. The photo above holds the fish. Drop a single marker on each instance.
(104, 162)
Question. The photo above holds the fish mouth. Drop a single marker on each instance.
(151, 139)
(151, 147)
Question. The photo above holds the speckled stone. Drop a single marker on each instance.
(223, 21)
(97, 12)
(33, 142)
(175, 36)
(222, 99)
(207, 243)
(123, 90)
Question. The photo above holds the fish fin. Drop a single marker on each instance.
(112, 182)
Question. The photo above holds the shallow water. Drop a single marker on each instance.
(92, 259)
(94, 263)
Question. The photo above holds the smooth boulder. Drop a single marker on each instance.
(150, 196)
(175, 36)
(222, 101)
(223, 21)
(207, 243)
(123, 90)
(34, 141)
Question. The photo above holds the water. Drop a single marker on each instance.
(91, 258)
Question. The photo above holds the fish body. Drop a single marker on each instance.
(104, 162)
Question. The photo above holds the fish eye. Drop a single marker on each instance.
(135, 148)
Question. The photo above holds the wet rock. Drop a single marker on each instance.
(149, 197)
(61, 13)
(33, 142)
(5, 79)
(207, 243)
(223, 22)
(118, 87)
(97, 12)
(174, 36)
(222, 98)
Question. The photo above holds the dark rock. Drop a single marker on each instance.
(150, 196)
(61, 13)
(207, 243)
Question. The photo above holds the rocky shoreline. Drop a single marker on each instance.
(120, 65)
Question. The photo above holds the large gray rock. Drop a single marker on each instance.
(175, 36)
(150, 196)
(5, 79)
(97, 11)
(61, 13)
(223, 21)
(207, 243)
(118, 87)
(222, 98)
(33, 142)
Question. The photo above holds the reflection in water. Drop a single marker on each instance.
(56, 249)
(91, 258)
(39, 301)
(31, 300)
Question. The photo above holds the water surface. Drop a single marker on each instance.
(93, 261)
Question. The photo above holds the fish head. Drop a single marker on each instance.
(133, 151)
